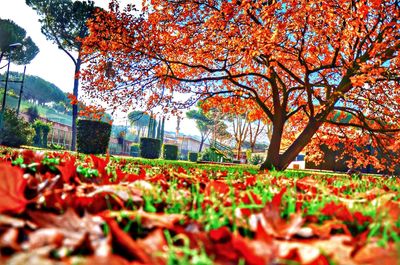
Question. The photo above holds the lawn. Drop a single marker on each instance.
(61, 208)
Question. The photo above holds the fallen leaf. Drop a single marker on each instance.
(150, 220)
(71, 230)
(125, 243)
(271, 221)
(325, 230)
(99, 260)
(67, 168)
(372, 254)
(12, 187)
(9, 239)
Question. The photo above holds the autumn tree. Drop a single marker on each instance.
(302, 62)
(11, 33)
(64, 23)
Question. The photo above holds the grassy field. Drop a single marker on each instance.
(140, 211)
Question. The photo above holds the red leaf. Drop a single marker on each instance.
(255, 252)
(67, 168)
(181, 170)
(220, 234)
(273, 224)
(339, 211)
(372, 254)
(125, 242)
(12, 187)
(251, 180)
(218, 187)
(325, 230)
(307, 184)
(277, 199)
(100, 164)
(31, 156)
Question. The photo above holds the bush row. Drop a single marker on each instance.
(152, 148)
(92, 138)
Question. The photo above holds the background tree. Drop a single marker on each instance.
(221, 134)
(256, 128)
(64, 23)
(12, 33)
(246, 121)
(140, 120)
(203, 123)
(36, 88)
(240, 126)
(302, 62)
(33, 113)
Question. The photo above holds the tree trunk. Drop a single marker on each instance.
(239, 150)
(281, 162)
(273, 156)
(162, 130)
(201, 143)
(252, 146)
(75, 106)
(150, 126)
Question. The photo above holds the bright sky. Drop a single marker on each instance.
(53, 64)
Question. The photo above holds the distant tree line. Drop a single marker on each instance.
(36, 88)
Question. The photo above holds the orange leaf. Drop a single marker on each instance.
(12, 187)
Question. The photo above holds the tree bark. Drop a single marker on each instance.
(239, 150)
(297, 146)
(273, 156)
(201, 144)
(281, 162)
(75, 106)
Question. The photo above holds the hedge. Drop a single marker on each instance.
(193, 156)
(15, 131)
(135, 150)
(93, 136)
(170, 151)
(150, 147)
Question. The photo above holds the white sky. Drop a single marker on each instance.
(53, 64)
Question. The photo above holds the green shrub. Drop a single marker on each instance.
(42, 130)
(37, 139)
(193, 156)
(256, 160)
(54, 146)
(211, 154)
(15, 131)
(45, 131)
(150, 147)
(93, 136)
(170, 151)
(135, 150)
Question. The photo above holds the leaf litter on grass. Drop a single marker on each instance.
(58, 208)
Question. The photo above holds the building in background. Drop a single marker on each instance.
(185, 143)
